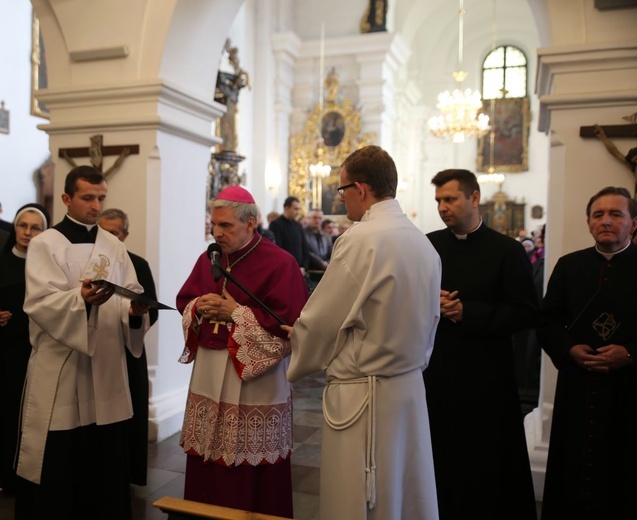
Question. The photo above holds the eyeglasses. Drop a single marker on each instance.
(341, 189)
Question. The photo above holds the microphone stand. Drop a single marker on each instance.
(259, 302)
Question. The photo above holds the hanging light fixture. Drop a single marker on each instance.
(319, 170)
(459, 117)
(491, 177)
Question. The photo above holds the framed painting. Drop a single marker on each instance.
(39, 78)
(332, 128)
(509, 118)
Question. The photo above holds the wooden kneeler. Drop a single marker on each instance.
(179, 509)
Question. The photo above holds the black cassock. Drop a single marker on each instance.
(480, 455)
(15, 350)
(138, 382)
(592, 462)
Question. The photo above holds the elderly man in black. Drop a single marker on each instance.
(589, 329)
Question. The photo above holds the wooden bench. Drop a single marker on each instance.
(179, 509)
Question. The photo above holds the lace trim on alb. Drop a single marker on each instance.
(232, 434)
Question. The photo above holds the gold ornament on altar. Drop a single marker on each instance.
(331, 133)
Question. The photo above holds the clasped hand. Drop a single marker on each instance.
(450, 306)
(5, 316)
(604, 359)
(217, 307)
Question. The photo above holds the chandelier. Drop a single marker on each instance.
(459, 117)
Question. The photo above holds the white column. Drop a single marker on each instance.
(379, 63)
(285, 47)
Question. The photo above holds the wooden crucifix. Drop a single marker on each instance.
(603, 133)
(97, 152)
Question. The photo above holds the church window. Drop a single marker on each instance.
(504, 73)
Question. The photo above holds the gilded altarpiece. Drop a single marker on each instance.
(332, 132)
(503, 214)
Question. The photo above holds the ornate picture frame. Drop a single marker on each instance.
(331, 132)
(39, 78)
(510, 119)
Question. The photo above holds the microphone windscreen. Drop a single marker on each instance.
(213, 248)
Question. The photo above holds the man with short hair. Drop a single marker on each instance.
(319, 244)
(370, 326)
(288, 232)
(237, 428)
(327, 227)
(76, 400)
(588, 328)
(115, 221)
(486, 295)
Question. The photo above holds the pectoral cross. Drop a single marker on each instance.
(216, 323)
(97, 152)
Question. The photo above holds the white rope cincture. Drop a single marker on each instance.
(368, 403)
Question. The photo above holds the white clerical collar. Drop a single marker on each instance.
(464, 237)
(18, 253)
(87, 226)
(608, 256)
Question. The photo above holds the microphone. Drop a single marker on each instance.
(214, 253)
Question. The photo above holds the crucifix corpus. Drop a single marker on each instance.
(603, 133)
(97, 152)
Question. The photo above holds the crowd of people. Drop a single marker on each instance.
(413, 332)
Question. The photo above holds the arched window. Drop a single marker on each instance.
(504, 73)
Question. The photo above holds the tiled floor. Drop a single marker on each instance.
(167, 462)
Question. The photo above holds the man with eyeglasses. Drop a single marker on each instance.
(370, 326)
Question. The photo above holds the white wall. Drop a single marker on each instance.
(25, 148)
(435, 57)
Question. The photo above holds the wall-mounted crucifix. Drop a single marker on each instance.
(604, 133)
(97, 152)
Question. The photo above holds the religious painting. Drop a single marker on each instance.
(537, 212)
(39, 79)
(509, 119)
(332, 128)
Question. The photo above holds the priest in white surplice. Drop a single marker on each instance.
(73, 456)
(370, 325)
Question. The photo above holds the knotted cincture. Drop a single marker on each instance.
(368, 403)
